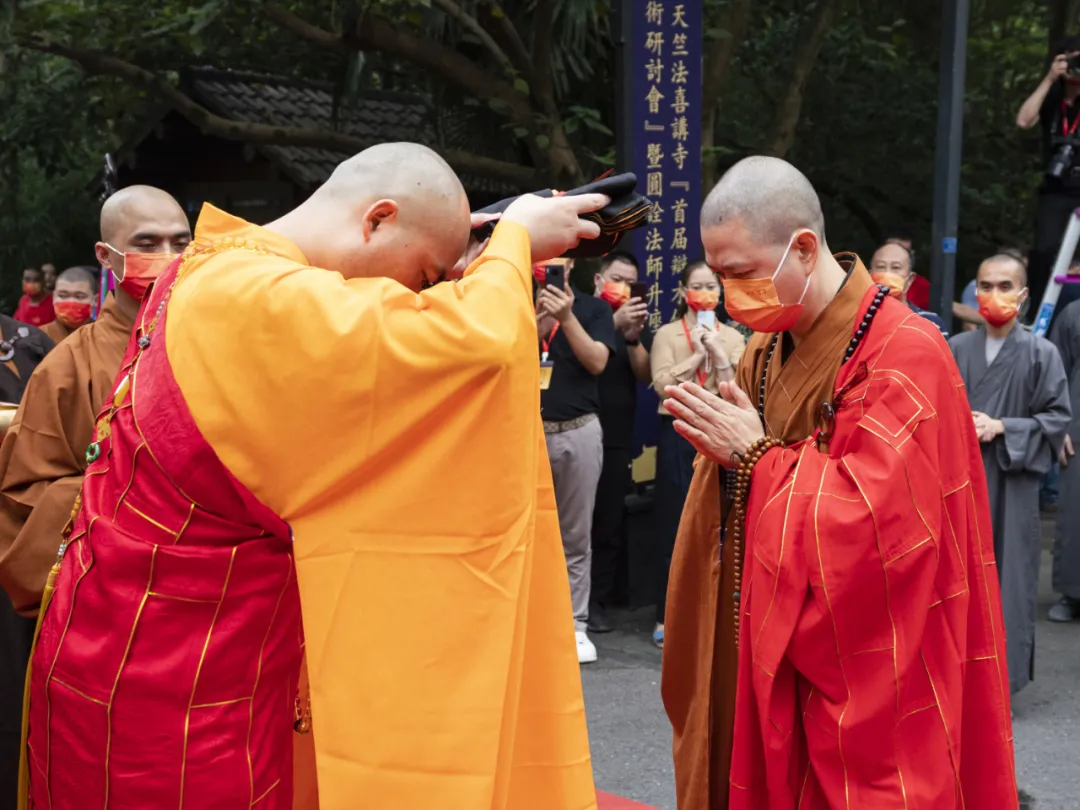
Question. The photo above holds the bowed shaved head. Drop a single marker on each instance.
(769, 196)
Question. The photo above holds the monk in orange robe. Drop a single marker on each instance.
(43, 455)
(299, 431)
(73, 302)
(834, 635)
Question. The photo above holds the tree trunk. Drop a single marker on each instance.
(717, 70)
(811, 38)
(1061, 16)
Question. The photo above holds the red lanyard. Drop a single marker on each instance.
(1067, 130)
(701, 375)
(547, 343)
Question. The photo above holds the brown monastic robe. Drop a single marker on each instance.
(43, 455)
(700, 661)
(57, 331)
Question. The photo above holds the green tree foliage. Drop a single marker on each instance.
(847, 89)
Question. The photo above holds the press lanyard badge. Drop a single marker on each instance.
(546, 366)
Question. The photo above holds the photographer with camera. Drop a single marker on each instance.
(1054, 107)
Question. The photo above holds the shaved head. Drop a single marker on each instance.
(79, 275)
(1004, 263)
(140, 219)
(395, 210)
(769, 196)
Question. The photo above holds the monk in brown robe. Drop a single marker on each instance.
(73, 302)
(43, 455)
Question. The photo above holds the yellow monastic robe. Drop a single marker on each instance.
(399, 435)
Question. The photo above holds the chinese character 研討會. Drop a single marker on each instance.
(679, 73)
(654, 184)
(654, 70)
(654, 266)
(680, 105)
(654, 154)
(654, 42)
(679, 209)
(678, 239)
(653, 97)
(654, 241)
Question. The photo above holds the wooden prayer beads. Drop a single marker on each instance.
(743, 474)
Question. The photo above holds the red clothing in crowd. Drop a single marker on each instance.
(37, 314)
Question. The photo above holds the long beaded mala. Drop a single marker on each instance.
(758, 449)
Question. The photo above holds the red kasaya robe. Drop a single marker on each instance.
(872, 657)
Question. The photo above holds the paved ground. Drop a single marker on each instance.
(631, 739)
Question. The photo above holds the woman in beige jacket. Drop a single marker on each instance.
(685, 350)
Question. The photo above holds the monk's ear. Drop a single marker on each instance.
(805, 246)
(380, 212)
(103, 255)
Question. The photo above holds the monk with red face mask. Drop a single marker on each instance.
(73, 302)
(43, 455)
(834, 623)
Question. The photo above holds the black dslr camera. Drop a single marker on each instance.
(1064, 154)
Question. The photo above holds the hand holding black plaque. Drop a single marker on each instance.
(626, 211)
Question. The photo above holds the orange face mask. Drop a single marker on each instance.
(894, 281)
(754, 302)
(699, 300)
(998, 307)
(615, 293)
(141, 270)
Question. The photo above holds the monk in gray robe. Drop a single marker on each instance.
(1019, 399)
(1065, 334)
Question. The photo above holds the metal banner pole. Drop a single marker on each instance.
(1061, 266)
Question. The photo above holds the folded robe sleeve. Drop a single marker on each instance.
(41, 468)
(869, 593)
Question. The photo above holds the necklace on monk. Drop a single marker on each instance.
(763, 445)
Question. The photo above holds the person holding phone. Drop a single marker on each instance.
(695, 347)
(617, 284)
(577, 338)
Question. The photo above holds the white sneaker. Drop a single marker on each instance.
(586, 650)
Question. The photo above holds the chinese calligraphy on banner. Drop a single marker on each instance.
(665, 72)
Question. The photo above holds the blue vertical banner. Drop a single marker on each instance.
(665, 70)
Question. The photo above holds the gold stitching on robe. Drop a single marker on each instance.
(952, 531)
(184, 598)
(783, 541)
(198, 669)
(267, 793)
(258, 673)
(131, 480)
(916, 711)
(221, 703)
(52, 669)
(190, 514)
(120, 669)
(836, 637)
(905, 552)
(83, 695)
(944, 725)
(877, 649)
(148, 519)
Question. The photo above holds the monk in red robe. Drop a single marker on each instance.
(300, 444)
(834, 634)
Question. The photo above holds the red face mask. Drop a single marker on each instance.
(72, 314)
(31, 288)
(615, 293)
(143, 269)
(699, 300)
(998, 307)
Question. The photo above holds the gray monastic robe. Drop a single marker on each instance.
(1066, 580)
(1025, 387)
